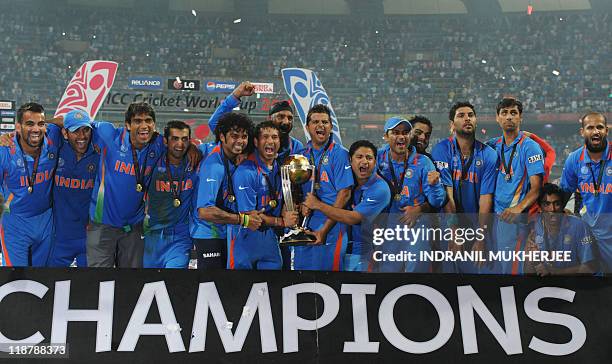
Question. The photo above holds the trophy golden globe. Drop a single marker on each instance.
(296, 171)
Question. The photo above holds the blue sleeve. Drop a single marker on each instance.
(534, 158)
(489, 172)
(584, 243)
(226, 106)
(343, 173)
(569, 179)
(297, 146)
(436, 195)
(245, 188)
(103, 132)
(374, 201)
(211, 179)
(442, 159)
(54, 133)
(492, 143)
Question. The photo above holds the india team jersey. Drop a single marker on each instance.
(115, 200)
(527, 161)
(252, 189)
(216, 173)
(580, 173)
(471, 178)
(414, 189)
(573, 237)
(166, 187)
(17, 167)
(334, 174)
(74, 183)
(369, 200)
(294, 147)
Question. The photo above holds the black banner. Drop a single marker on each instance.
(161, 315)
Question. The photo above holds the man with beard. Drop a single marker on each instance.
(331, 183)
(257, 183)
(26, 177)
(74, 181)
(555, 231)
(415, 185)
(281, 114)
(420, 134)
(588, 170)
(369, 198)
(216, 199)
(518, 182)
(169, 202)
(468, 169)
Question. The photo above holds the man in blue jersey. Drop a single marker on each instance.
(415, 184)
(281, 114)
(420, 134)
(26, 177)
(258, 187)
(74, 181)
(369, 197)
(331, 183)
(216, 197)
(589, 171)
(169, 202)
(521, 169)
(554, 231)
(468, 169)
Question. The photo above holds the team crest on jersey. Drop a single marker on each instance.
(19, 162)
(409, 173)
(51, 155)
(325, 160)
(478, 163)
(161, 169)
(123, 148)
(609, 171)
(60, 162)
(152, 154)
(584, 170)
(567, 239)
(91, 168)
(263, 181)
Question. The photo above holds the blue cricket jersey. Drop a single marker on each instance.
(528, 161)
(213, 190)
(415, 189)
(164, 189)
(74, 183)
(580, 173)
(474, 177)
(369, 200)
(115, 201)
(15, 169)
(252, 189)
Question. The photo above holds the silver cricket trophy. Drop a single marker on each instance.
(296, 171)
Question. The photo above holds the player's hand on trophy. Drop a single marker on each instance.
(6, 140)
(311, 201)
(319, 236)
(255, 220)
(411, 215)
(433, 177)
(290, 218)
(244, 89)
(304, 210)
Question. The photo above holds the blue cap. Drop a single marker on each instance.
(395, 121)
(76, 119)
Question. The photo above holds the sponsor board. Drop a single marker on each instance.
(219, 86)
(263, 87)
(179, 84)
(8, 120)
(7, 105)
(7, 126)
(145, 83)
(7, 113)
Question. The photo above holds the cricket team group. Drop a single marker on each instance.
(91, 194)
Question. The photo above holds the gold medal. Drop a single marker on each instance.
(317, 186)
(397, 197)
(176, 202)
(138, 187)
(272, 203)
(508, 177)
(30, 189)
(231, 198)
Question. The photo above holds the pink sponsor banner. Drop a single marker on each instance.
(88, 88)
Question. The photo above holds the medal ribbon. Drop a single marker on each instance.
(30, 177)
